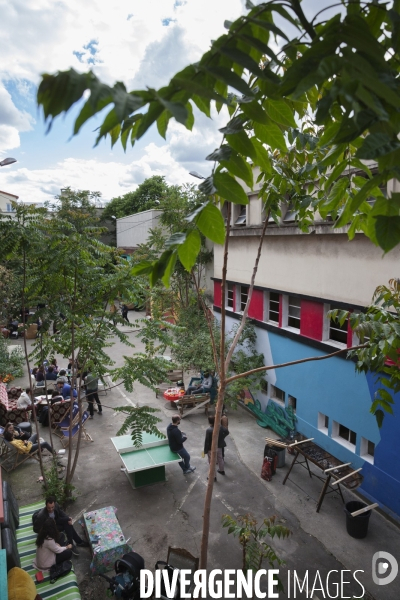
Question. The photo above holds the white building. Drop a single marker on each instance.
(134, 229)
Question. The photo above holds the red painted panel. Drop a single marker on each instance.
(256, 308)
(217, 293)
(311, 319)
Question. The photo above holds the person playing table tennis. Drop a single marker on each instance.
(176, 439)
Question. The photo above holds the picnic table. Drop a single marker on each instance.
(106, 539)
(145, 465)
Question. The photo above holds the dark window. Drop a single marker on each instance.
(264, 386)
(294, 312)
(241, 220)
(231, 291)
(292, 401)
(244, 292)
(338, 332)
(277, 393)
(326, 421)
(371, 448)
(273, 313)
(347, 434)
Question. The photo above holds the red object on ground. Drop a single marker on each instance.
(173, 394)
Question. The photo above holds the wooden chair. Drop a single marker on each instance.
(77, 423)
(193, 402)
(11, 457)
(179, 558)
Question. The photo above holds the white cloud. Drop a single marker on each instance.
(12, 122)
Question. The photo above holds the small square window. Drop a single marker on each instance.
(323, 423)
(337, 332)
(241, 220)
(367, 450)
(277, 394)
(344, 435)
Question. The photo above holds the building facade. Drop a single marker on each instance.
(300, 278)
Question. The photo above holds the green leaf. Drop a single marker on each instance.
(229, 188)
(354, 203)
(262, 158)
(177, 109)
(280, 112)
(242, 144)
(169, 269)
(387, 232)
(271, 135)
(175, 240)
(230, 78)
(237, 166)
(222, 153)
(244, 60)
(203, 105)
(377, 144)
(335, 197)
(189, 250)
(269, 27)
(211, 223)
(142, 268)
(162, 123)
(338, 170)
(253, 110)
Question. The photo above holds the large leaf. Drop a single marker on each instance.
(238, 167)
(229, 188)
(335, 197)
(253, 110)
(230, 78)
(377, 144)
(387, 232)
(211, 223)
(242, 144)
(280, 112)
(271, 135)
(189, 250)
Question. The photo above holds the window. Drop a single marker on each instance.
(337, 332)
(292, 401)
(344, 435)
(323, 423)
(241, 220)
(277, 394)
(244, 292)
(230, 294)
(10, 207)
(273, 310)
(367, 450)
(294, 312)
(291, 215)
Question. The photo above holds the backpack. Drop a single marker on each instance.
(57, 571)
(266, 470)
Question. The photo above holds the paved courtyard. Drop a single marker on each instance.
(170, 513)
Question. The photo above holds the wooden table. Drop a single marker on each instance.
(332, 467)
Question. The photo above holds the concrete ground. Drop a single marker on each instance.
(170, 513)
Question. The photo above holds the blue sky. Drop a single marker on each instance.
(140, 42)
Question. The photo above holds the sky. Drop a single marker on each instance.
(140, 42)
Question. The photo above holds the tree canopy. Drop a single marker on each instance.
(148, 195)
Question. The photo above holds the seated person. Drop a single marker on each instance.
(27, 446)
(62, 520)
(49, 551)
(33, 375)
(25, 399)
(65, 390)
(62, 377)
(51, 375)
(18, 434)
(203, 387)
(44, 413)
(40, 376)
(5, 332)
(54, 365)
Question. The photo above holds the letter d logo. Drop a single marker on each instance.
(380, 568)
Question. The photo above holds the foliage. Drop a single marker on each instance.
(148, 195)
(379, 328)
(252, 539)
(245, 358)
(139, 419)
(11, 363)
(9, 294)
(340, 73)
(193, 348)
(57, 487)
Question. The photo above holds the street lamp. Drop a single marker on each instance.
(7, 161)
(196, 174)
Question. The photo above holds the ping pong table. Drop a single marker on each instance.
(145, 465)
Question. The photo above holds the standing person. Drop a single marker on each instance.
(223, 433)
(92, 384)
(49, 552)
(124, 311)
(224, 423)
(176, 439)
(62, 520)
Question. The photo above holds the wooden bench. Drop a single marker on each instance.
(193, 403)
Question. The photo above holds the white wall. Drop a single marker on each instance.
(5, 199)
(322, 265)
(134, 229)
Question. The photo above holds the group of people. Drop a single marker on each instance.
(57, 538)
(176, 439)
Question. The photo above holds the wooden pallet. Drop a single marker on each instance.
(192, 403)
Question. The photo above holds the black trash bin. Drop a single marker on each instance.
(357, 526)
(281, 452)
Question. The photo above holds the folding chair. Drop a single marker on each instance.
(77, 423)
(65, 420)
(11, 457)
